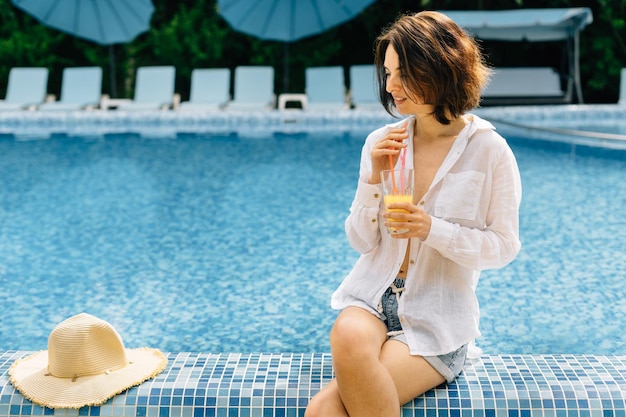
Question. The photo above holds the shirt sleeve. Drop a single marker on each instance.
(361, 225)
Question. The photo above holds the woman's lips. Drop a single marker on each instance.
(399, 100)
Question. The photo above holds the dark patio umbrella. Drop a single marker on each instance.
(288, 20)
(105, 22)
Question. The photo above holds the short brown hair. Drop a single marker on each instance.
(439, 63)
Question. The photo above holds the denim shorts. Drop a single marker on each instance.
(449, 365)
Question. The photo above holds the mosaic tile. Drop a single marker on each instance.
(280, 385)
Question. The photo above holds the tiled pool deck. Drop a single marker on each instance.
(38, 125)
(280, 385)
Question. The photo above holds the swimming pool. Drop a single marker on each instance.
(234, 242)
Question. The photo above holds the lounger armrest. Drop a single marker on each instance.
(103, 99)
(176, 101)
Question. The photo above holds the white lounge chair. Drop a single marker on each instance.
(325, 88)
(524, 85)
(26, 88)
(154, 90)
(622, 87)
(210, 89)
(254, 88)
(363, 87)
(81, 88)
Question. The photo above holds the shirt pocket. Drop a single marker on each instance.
(459, 196)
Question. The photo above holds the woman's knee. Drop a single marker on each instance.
(355, 330)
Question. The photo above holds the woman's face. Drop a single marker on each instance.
(395, 87)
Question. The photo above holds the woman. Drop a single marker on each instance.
(408, 307)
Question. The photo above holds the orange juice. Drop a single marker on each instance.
(396, 198)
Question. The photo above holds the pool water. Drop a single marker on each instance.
(565, 291)
(234, 244)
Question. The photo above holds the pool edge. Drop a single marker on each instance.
(280, 384)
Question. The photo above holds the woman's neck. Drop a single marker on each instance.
(426, 128)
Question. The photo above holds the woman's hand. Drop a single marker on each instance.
(413, 219)
(391, 144)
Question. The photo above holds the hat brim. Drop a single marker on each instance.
(30, 377)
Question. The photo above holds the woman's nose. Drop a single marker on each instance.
(392, 83)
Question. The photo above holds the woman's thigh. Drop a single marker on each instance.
(412, 374)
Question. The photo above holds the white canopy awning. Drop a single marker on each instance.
(533, 25)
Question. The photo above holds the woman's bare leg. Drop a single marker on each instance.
(326, 403)
(411, 374)
(356, 340)
(374, 376)
(365, 386)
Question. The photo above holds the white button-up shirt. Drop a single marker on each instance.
(474, 205)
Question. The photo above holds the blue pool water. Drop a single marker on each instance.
(234, 244)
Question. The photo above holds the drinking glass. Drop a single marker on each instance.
(397, 188)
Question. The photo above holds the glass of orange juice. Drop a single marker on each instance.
(397, 188)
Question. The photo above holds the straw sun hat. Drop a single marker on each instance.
(85, 364)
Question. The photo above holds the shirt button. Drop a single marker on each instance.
(376, 195)
(411, 261)
(373, 220)
(422, 203)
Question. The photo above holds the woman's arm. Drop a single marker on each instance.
(361, 225)
(381, 146)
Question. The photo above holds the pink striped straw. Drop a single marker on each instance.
(394, 189)
(403, 166)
